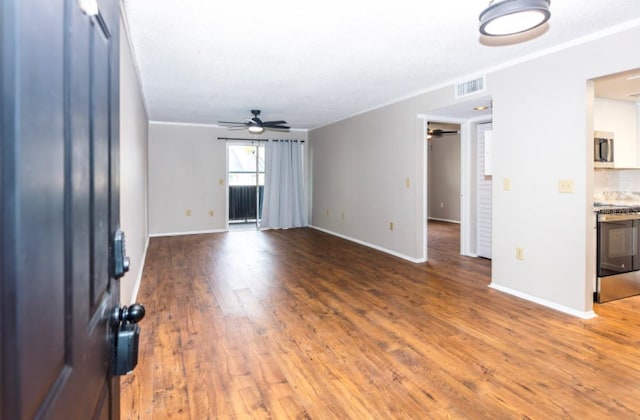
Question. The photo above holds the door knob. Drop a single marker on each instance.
(133, 314)
(127, 315)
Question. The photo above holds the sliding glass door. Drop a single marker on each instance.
(246, 185)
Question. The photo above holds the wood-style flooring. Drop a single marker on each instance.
(298, 324)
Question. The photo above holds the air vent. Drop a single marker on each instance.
(470, 87)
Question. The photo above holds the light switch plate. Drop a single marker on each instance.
(565, 186)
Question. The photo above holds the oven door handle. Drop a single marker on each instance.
(618, 217)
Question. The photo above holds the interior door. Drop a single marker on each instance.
(60, 208)
(484, 208)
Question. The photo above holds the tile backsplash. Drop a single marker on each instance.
(622, 184)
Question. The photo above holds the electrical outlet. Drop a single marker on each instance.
(390, 225)
(506, 184)
(221, 181)
(519, 253)
(441, 205)
(407, 183)
(565, 186)
(188, 212)
(211, 213)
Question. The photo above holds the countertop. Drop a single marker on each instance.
(616, 206)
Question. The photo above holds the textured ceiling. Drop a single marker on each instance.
(312, 63)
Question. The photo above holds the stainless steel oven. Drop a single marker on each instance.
(618, 256)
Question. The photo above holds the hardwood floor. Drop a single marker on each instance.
(300, 324)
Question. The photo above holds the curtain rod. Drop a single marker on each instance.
(241, 139)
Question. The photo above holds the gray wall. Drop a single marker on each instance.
(360, 170)
(187, 172)
(444, 176)
(133, 169)
(550, 92)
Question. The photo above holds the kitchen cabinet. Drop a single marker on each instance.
(623, 119)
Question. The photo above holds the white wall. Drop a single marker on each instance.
(133, 169)
(542, 132)
(187, 172)
(534, 102)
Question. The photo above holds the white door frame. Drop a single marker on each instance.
(466, 185)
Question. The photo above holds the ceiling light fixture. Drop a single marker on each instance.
(481, 107)
(256, 129)
(508, 17)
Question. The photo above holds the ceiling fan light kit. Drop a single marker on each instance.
(508, 17)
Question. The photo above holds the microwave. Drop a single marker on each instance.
(603, 149)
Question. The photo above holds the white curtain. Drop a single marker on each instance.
(284, 203)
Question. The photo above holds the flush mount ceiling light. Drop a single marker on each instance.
(480, 108)
(508, 17)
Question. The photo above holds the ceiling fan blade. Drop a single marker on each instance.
(283, 127)
(439, 132)
(250, 123)
(231, 122)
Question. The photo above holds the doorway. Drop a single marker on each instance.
(245, 180)
(443, 181)
(466, 116)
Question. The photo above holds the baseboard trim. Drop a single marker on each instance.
(437, 219)
(136, 287)
(544, 302)
(367, 244)
(194, 232)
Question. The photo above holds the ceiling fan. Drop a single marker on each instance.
(255, 125)
(438, 132)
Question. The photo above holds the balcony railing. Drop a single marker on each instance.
(242, 203)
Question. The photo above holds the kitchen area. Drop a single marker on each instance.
(616, 121)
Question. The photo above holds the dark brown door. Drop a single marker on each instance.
(60, 200)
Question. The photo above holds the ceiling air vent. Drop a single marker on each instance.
(470, 87)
